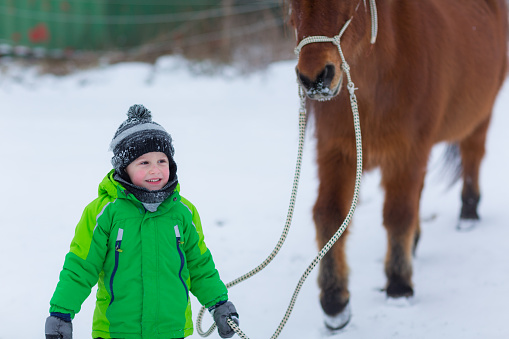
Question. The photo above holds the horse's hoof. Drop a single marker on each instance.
(398, 290)
(338, 321)
(465, 225)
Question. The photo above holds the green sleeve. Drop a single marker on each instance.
(196, 223)
(84, 262)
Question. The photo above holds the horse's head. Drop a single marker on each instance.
(319, 67)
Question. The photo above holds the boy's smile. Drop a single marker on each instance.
(150, 170)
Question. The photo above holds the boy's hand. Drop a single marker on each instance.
(221, 313)
(57, 328)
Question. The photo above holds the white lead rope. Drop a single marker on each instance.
(374, 21)
(342, 228)
(358, 175)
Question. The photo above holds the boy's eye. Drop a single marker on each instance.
(162, 161)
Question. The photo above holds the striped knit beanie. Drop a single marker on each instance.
(139, 135)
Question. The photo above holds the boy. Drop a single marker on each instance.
(143, 244)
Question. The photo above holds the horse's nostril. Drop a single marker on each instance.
(326, 76)
(305, 81)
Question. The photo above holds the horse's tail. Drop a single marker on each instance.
(453, 167)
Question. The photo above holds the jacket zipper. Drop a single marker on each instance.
(117, 255)
(177, 235)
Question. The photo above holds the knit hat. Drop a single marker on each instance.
(139, 135)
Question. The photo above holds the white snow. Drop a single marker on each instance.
(236, 145)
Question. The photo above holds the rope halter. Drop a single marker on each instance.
(337, 39)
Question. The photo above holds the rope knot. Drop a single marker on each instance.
(336, 40)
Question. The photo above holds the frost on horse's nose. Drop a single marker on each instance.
(321, 83)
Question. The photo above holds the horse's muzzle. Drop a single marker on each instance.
(321, 87)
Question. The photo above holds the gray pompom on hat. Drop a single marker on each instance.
(139, 135)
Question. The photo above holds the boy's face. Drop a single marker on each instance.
(151, 171)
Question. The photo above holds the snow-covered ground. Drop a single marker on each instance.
(236, 144)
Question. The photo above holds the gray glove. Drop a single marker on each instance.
(57, 328)
(220, 314)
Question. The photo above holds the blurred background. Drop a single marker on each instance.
(63, 35)
(69, 70)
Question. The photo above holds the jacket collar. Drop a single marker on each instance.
(111, 187)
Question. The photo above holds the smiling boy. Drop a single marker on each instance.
(151, 171)
(142, 243)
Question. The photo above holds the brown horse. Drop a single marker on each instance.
(432, 76)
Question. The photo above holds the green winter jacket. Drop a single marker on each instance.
(144, 263)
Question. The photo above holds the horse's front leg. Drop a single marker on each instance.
(403, 186)
(337, 179)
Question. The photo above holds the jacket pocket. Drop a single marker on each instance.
(182, 260)
(117, 258)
